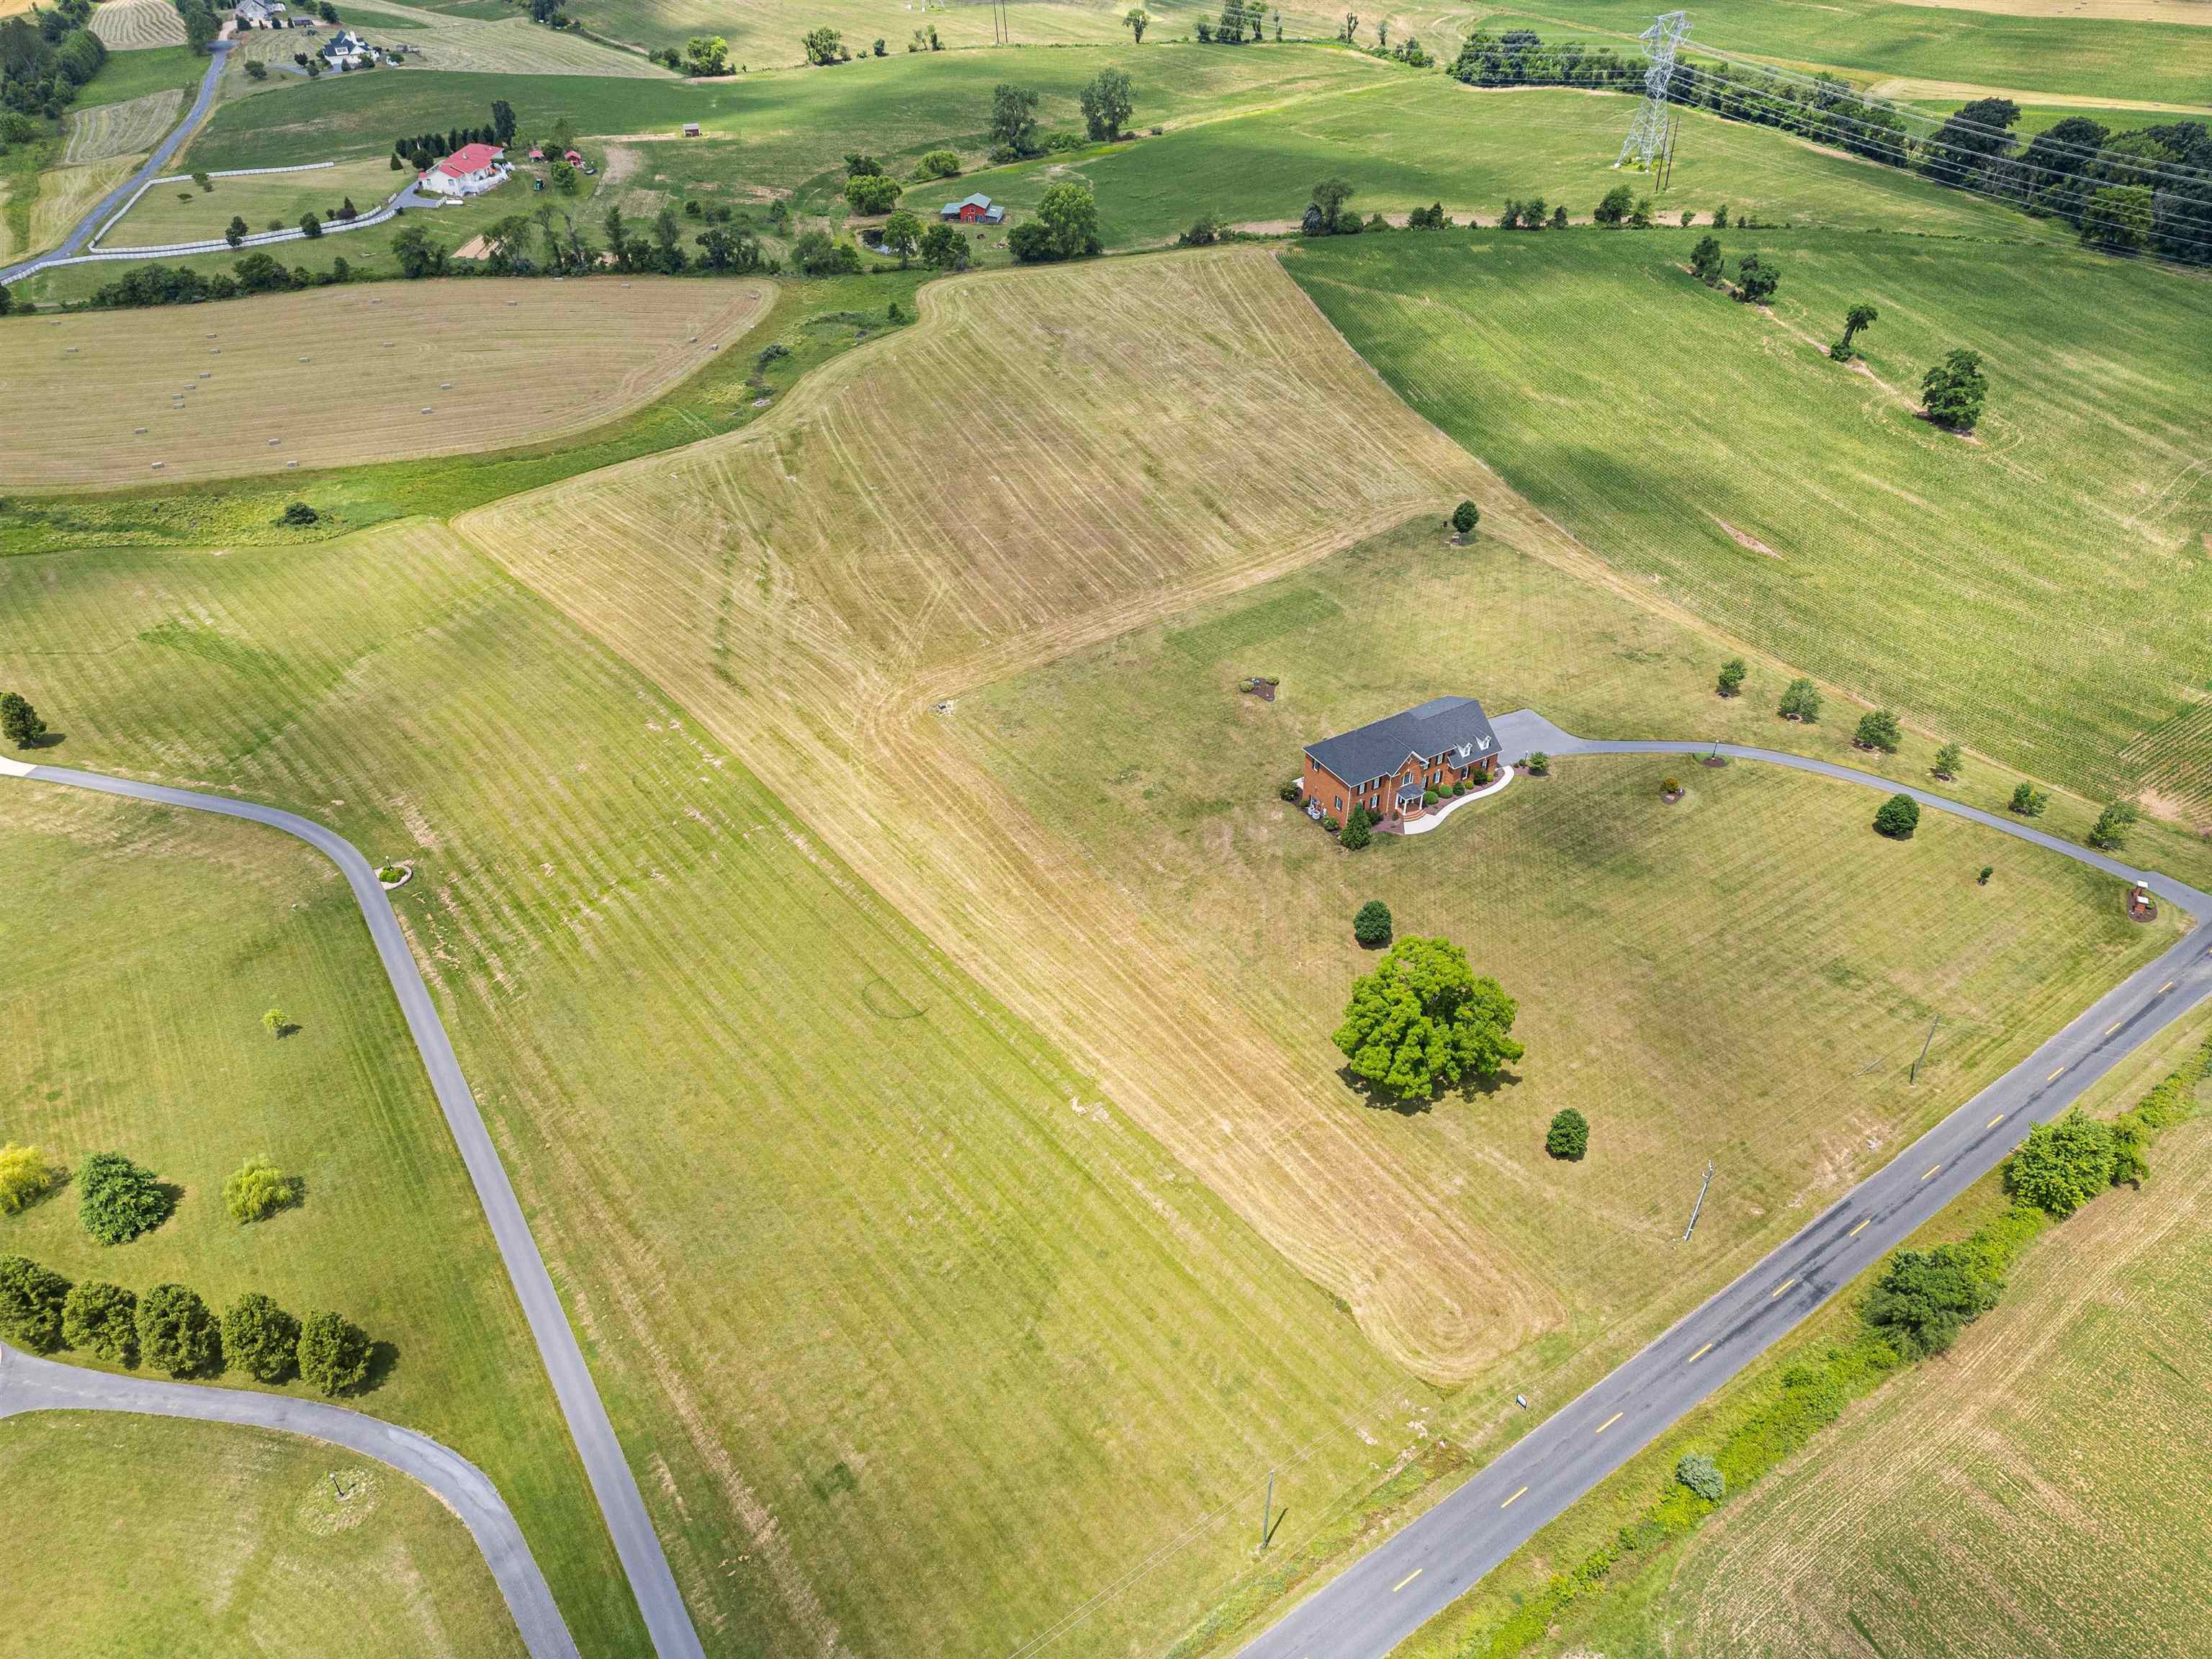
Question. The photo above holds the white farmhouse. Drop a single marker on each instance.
(468, 171)
(345, 50)
(260, 14)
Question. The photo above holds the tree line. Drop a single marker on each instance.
(171, 1328)
(426, 150)
(45, 58)
(2147, 189)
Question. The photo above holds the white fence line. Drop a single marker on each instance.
(116, 217)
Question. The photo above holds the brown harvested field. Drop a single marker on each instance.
(2038, 1493)
(344, 375)
(65, 195)
(131, 127)
(129, 24)
(921, 519)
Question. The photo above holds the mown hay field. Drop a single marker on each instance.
(144, 945)
(1744, 977)
(1977, 1506)
(178, 210)
(67, 194)
(1048, 459)
(916, 1338)
(2037, 593)
(132, 127)
(193, 1539)
(134, 24)
(1413, 141)
(342, 375)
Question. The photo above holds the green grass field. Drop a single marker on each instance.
(2090, 55)
(1974, 1507)
(2035, 593)
(909, 1332)
(1426, 138)
(767, 33)
(770, 131)
(134, 74)
(1813, 953)
(145, 945)
(197, 1540)
(183, 212)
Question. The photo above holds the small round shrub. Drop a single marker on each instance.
(1371, 926)
(1465, 517)
(1539, 763)
(24, 1178)
(1429, 797)
(1569, 1135)
(1702, 1476)
(1670, 786)
(260, 1338)
(101, 1319)
(256, 1189)
(177, 1334)
(30, 1300)
(333, 1354)
(1290, 791)
(1328, 823)
(1898, 816)
(117, 1201)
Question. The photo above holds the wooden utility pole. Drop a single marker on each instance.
(1268, 1511)
(1698, 1209)
(1914, 1075)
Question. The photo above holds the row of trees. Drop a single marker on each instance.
(170, 1328)
(258, 272)
(425, 149)
(1924, 1299)
(1879, 730)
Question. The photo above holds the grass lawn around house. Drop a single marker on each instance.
(1743, 976)
(1805, 507)
(145, 946)
(183, 212)
(910, 1331)
(203, 1541)
(1422, 139)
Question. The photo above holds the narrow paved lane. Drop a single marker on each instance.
(634, 1540)
(75, 241)
(1390, 1593)
(27, 1384)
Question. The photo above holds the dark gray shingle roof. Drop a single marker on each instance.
(1453, 727)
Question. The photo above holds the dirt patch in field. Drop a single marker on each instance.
(1742, 540)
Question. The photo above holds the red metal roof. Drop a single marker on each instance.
(470, 158)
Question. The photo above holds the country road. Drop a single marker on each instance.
(612, 1483)
(168, 147)
(1393, 1590)
(27, 1384)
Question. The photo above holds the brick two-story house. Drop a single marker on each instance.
(1388, 765)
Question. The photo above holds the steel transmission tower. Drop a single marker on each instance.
(1647, 137)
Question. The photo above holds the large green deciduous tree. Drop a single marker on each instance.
(1925, 1296)
(1955, 390)
(2062, 1164)
(1107, 103)
(1013, 120)
(1423, 1019)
